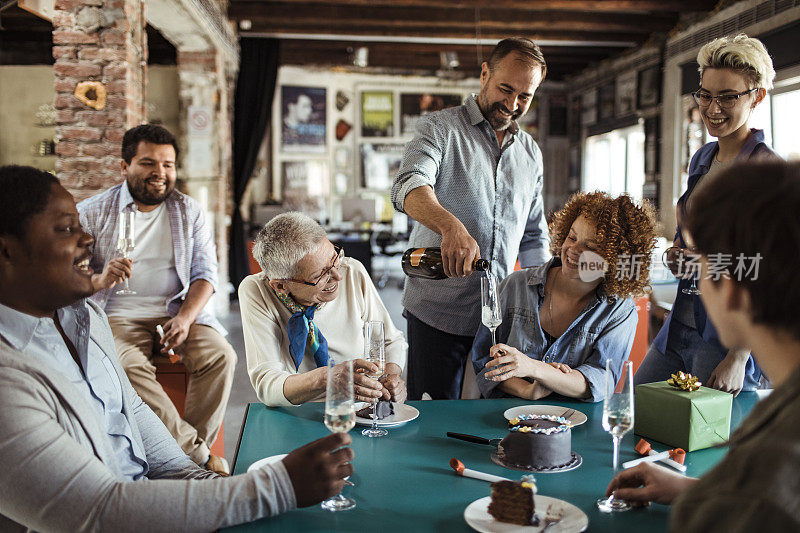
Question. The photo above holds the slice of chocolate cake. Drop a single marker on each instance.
(382, 410)
(513, 502)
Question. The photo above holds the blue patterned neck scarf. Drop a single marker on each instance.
(302, 329)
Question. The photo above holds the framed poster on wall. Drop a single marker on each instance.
(303, 119)
(377, 114)
(626, 94)
(306, 186)
(605, 102)
(414, 105)
(649, 89)
(379, 164)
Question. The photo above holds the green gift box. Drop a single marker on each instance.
(688, 420)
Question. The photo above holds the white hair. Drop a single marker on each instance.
(284, 241)
(741, 53)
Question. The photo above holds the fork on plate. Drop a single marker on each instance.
(552, 517)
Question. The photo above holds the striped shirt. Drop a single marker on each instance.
(193, 242)
(495, 192)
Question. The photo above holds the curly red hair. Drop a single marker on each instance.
(623, 229)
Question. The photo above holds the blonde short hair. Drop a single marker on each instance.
(284, 241)
(746, 55)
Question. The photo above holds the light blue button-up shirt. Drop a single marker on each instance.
(39, 338)
(603, 330)
(496, 192)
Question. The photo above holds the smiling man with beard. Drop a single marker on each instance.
(473, 180)
(173, 273)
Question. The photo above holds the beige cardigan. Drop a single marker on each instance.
(266, 342)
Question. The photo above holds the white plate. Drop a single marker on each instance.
(266, 461)
(402, 413)
(576, 418)
(477, 516)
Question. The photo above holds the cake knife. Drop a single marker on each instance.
(474, 438)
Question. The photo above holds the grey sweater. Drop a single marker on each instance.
(60, 473)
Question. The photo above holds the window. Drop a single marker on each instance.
(786, 113)
(614, 162)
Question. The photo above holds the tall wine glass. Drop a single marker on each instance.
(490, 304)
(674, 258)
(617, 420)
(340, 416)
(375, 352)
(126, 242)
(694, 271)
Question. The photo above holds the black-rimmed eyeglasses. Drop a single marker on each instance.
(725, 101)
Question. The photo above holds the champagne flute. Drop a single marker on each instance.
(694, 271)
(617, 420)
(490, 302)
(375, 352)
(126, 242)
(340, 416)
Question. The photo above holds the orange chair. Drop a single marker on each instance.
(174, 378)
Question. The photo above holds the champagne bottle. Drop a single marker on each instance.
(427, 263)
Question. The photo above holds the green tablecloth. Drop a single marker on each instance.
(404, 482)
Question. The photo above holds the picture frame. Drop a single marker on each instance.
(377, 114)
(415, 105)
(649, 87)
(379, 164)
(305, 185)
(303, 119)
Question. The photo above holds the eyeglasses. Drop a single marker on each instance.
(325, 277)
(725, 101)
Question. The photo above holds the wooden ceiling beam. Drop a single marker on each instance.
(441, 18)
(465, 52)
(592, 6)
(435, 28)
(278, 27)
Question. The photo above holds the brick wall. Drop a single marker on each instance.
(103, 41)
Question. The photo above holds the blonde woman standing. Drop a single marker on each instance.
(735, 75)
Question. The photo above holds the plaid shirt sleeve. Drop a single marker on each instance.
(203, 263)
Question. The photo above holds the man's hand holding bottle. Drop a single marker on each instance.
(459, 251)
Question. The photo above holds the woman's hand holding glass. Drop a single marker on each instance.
(366, 389)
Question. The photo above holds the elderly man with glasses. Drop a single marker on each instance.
(310, 303)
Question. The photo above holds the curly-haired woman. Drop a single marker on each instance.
(562, 320)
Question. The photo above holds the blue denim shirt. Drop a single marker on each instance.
(603, 330)
(754, 148)
(496, 192)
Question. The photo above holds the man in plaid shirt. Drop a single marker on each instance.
(174, 277)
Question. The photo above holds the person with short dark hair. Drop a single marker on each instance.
(80, 450)
(749, 213)
(473, 181)
(175, 276)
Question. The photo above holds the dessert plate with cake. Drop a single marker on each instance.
(537, 443)
(515, 506)
(573, 416)
(388, 413)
